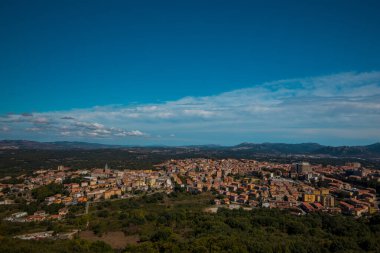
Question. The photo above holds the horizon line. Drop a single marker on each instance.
(187, 145)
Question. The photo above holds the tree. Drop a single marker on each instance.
(47, 190)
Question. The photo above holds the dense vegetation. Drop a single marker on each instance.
(177, 223)
(184, 228)
(262, 231)
(64, 246)
(42, 192)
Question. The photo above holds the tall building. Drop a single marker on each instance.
(327, 201)
(301, 168)
(308, 198)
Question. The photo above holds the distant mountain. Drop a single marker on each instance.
(372, 150)
(25, 144)
(359, 151)
(280, 148)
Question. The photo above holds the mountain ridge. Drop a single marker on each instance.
(245, 147)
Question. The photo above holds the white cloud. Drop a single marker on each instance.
(304, 108)
(130, 133)
(41, 120)
(4, 128)
(33, 129)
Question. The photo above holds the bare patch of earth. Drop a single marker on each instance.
(117, 239)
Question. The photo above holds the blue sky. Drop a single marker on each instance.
(190, 72)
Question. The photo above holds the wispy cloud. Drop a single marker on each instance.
(333, 108)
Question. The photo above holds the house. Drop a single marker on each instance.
(82, 199)
(63, 211)
(67, 200)
(35, 218)
(307, 207)
(113, 192)
(54, 217)
(253, 203)
(57, 201)
(7, 202)
(226, 201)
(359, 211)
(40, 213)
(317, 206)
(346, 208)
(217, 201)
(50, 200)
(17, 215)
(97, 194)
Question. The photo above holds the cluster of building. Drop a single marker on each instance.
(298, 187)
(37, 216)
(47, 235)
(81, 186)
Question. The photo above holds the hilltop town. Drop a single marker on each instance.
(299, 187)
